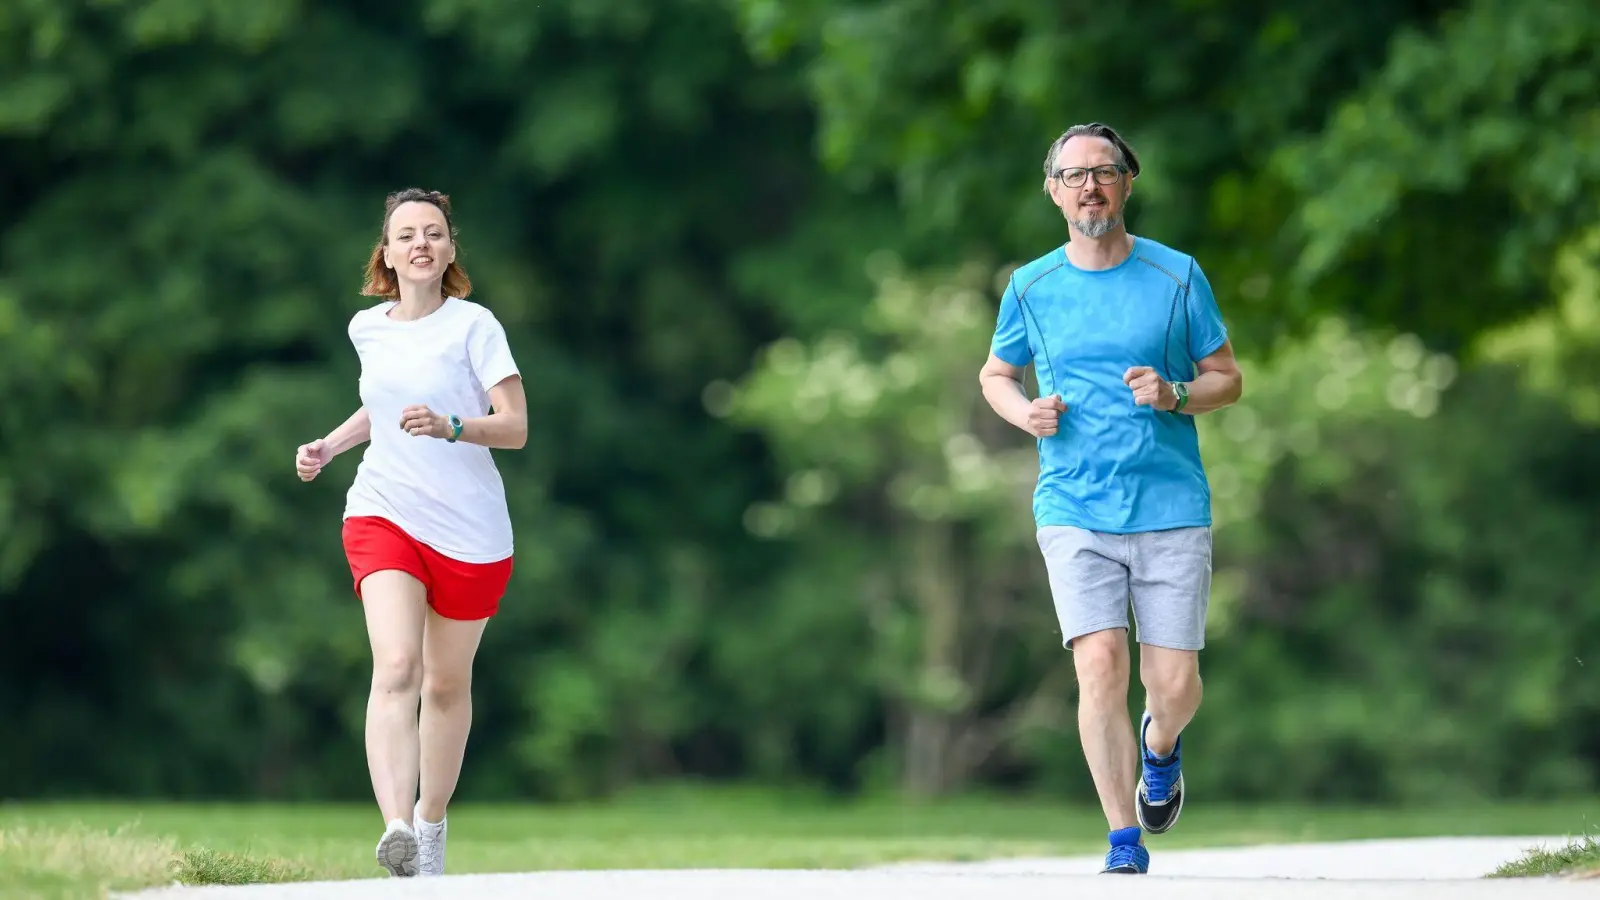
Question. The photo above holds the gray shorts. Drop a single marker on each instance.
(1164, 575)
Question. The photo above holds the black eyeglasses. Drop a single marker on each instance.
(1075, 177)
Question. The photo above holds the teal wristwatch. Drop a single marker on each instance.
(1182, 390)
(455, 429)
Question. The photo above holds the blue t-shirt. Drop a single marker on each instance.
(1114, 466)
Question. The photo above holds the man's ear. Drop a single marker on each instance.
(1050, 188)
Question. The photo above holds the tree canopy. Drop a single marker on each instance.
(747, 256)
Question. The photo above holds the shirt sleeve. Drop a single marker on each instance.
(1207, 332)
(358, 323)
(1010, 343)
(488, 352)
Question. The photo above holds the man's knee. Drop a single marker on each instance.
(1169, 676)
(1101, 661)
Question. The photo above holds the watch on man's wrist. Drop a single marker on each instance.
(455, 429)
(1182, 390)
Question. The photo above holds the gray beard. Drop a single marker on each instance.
(1095, 226)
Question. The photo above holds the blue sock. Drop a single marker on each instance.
(1126, 837)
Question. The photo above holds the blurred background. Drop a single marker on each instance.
(748, 255)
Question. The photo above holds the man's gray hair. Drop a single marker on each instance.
(1125, 155)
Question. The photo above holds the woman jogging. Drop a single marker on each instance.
(426, 530)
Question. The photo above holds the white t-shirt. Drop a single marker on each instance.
(448, 496)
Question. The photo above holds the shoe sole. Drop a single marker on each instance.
(397, 852)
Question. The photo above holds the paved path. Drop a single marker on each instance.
(1405, 860)
(1432, 868)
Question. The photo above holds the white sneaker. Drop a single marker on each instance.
(430, 844)
(397, 850)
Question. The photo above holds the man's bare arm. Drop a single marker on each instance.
(1002, 387)
(1217, 384)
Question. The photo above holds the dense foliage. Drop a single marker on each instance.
(747, 253)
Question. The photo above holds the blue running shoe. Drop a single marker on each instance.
(1159, 799)
(1127, 856)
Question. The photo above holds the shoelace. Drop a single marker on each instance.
(1128, 855)
(1159, 779)
(428, 852)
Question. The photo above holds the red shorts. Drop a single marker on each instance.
(456, 589)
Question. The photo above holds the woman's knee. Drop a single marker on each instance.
(394, 603)
(448, 652)
(398, 672)
(444, 687)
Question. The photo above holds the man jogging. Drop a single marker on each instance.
(1128, 345)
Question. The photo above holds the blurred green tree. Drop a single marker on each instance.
(766, 527)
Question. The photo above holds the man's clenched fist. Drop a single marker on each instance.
(1044, 419)
(1150, 389)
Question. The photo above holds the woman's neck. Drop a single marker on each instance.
(417, 300)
